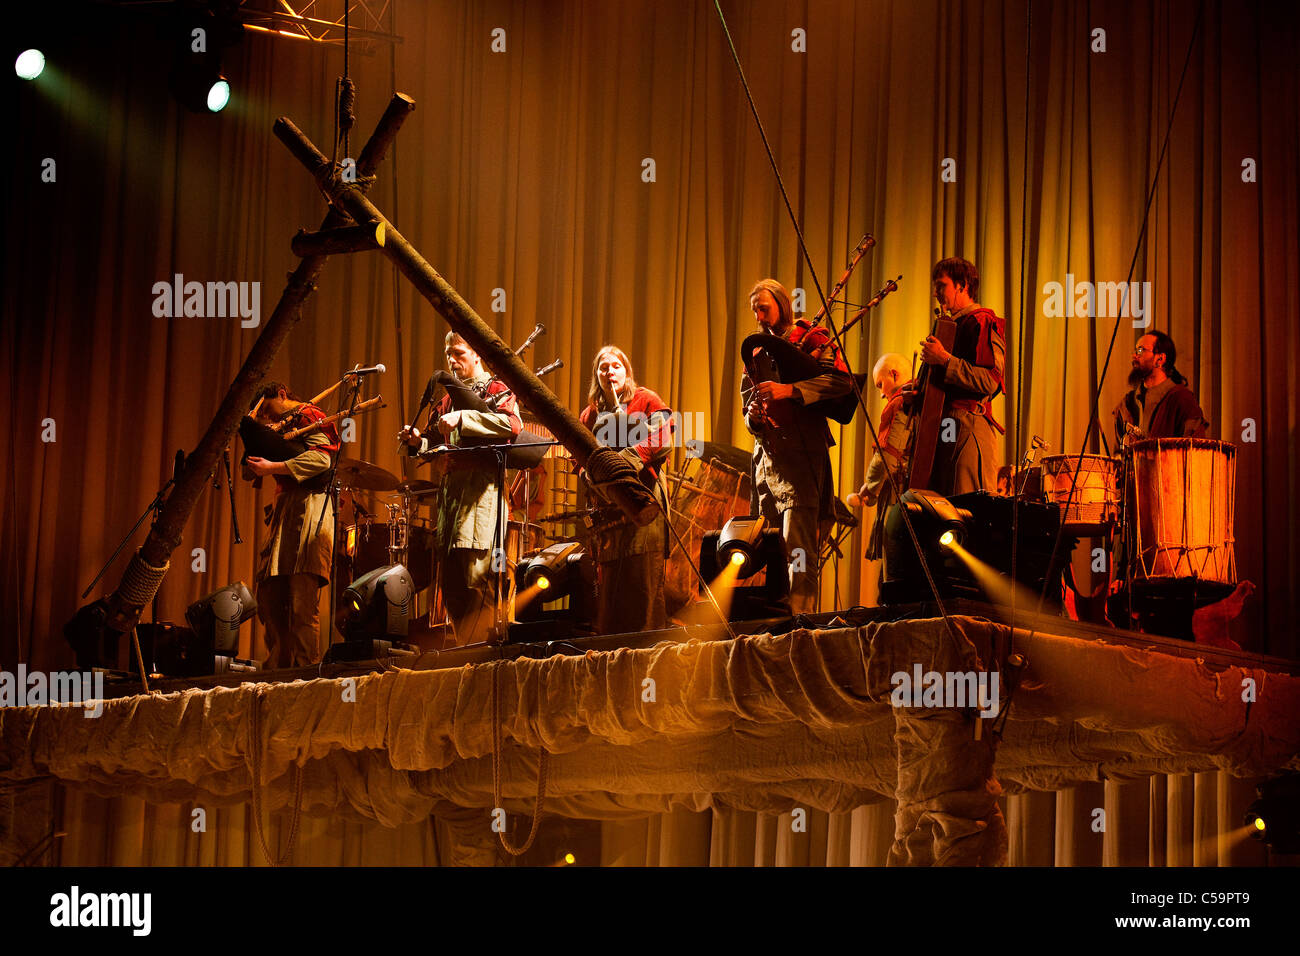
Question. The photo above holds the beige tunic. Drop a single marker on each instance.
(300, 541)
(468, 495)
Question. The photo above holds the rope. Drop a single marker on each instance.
(255, 775)
(397, 275)
(1017, 411)
(496, 772)
(141, 581)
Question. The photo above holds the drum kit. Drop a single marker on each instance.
(368, 540)
(395, 533)
(1169, 501)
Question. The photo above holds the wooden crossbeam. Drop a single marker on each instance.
(611, 474)
(144, 574)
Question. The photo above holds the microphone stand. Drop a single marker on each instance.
(154, 506)
(498, 631)
(230, 487)
(332, 489)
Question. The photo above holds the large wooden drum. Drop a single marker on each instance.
(1086, 490)
(1184, 490)
(702, 501)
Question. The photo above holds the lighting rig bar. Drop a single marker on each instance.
(371, 20)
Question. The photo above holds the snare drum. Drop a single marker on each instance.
(1184, 494)
(1086, 491)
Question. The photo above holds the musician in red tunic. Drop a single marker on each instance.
(469, 497)
(632, 559)
(295, 563)
(793, 486)
(971, 375)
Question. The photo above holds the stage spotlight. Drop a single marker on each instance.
(377, 605)
(218, 95)
(1274, 818)
(200, 87)
(744, 546)
(552, 570)
(939, 527)
(544, 579)
(29, 64)
(216, 618)
(739, 543)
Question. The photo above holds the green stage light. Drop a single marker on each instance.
(29, 64)
(218, 95)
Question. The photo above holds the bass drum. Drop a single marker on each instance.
(1184, 494)
(363, 547)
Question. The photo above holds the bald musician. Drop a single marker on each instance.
(892, 376)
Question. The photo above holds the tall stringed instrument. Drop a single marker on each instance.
(925, 435)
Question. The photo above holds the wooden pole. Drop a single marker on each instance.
(611, 474)
(144, 574)
(334, 241)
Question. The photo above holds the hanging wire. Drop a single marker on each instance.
(1094, 421)
(1018, 405)
(857, 391)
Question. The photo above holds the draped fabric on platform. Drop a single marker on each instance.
(780, 737)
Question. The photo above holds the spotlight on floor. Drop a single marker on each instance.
(216, 618)
(543, 580)
(1274, 818)
(374, 616)
(744, 546)
(29, 64)
(940, 528)
(739, 544)
(377, 605)
(552, 570)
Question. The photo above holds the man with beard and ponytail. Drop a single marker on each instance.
(1159, 404)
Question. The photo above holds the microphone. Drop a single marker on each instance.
(366, 371)
(178, 465)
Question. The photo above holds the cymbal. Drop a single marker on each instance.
(354, 473)
(417, 487)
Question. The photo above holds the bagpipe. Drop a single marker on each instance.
(280, 440)
(770, 358)
(532, 448)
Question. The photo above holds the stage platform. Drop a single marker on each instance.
(634, 725)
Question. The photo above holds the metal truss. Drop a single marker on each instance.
(370, 21)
